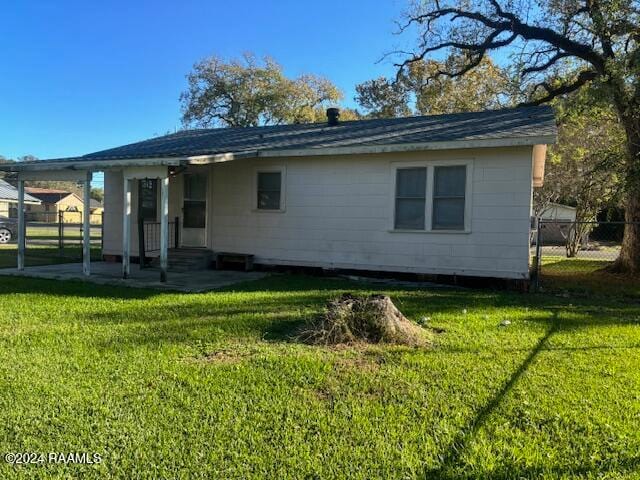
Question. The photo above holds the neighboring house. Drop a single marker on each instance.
(557, 222)
(97, 208)
(55, 201)
(9, 200)
(559, 212)
(445, 194)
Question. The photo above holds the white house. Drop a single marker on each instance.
(446, 194)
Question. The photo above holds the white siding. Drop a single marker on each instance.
(338, 214)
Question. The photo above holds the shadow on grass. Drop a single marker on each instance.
(587, 277)
(451, 463)
(70, 288)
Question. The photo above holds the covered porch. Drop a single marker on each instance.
(137, 213)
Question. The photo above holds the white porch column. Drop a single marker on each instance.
(86, 226)
(164, 227)
(126, 228)
(22, 229)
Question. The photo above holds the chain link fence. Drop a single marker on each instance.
(53, 237)
(571, 250)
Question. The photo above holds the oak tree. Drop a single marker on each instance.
(248, 92)
(575, 42)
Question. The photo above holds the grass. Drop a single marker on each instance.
(586, 276)
(52, 233)
(166, 385)
(44, 255)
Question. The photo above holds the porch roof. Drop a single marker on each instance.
(496, 128)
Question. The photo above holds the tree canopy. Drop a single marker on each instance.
(419, 90)
(247, 92)
(558, 47)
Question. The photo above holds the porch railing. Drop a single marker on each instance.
(149, 238)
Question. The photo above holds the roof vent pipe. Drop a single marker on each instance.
(333, 116)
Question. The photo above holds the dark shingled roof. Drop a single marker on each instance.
(524, 122)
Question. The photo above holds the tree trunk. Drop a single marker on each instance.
(629, 259)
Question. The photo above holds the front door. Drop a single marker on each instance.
(194, 210)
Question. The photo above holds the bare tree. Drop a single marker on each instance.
(558, 46)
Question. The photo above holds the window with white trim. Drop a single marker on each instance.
(411, 187)
(449, 185)
(269, 190)
(431, 197)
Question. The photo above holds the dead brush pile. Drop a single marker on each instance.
(370, 319)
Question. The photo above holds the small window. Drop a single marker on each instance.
(148, 199)
(269, 190)
(449, 184)
(411, 185)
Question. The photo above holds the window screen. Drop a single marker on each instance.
(269, 190)
(411, 185)
(195, 201)
(449, 184)
(148, 199)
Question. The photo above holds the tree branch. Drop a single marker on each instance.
(547, 64)
(509, 22)
(584, 77)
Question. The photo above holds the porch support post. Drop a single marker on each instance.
(86, 227)
(21, 225)
(126, 227)
(164, 227)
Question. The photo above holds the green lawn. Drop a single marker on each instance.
(51, 233)
(166, 385)
(586, 277)
(44, 255)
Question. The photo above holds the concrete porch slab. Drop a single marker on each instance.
(104, 273)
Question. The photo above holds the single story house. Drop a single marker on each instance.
(443, 194)
(54, 201)
(9, 200)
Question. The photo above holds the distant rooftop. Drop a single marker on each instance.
(47, 195)
(10, 193)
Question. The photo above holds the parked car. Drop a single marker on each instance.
(8, 229)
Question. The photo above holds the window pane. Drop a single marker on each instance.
(269, 200)
(269, 185)
(195, 187)
(148, 199)
(450, 181)
(194, 214)
(410, 213)
(448, 213)
(269, 181)
(411, 182)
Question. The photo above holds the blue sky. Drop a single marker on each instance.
(80, 76)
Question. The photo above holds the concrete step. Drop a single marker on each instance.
(187, 259)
